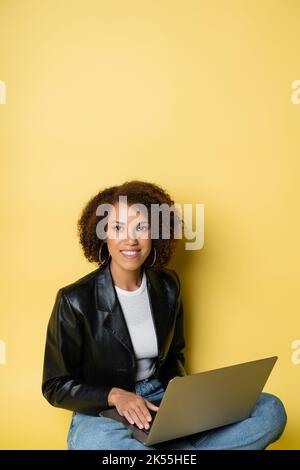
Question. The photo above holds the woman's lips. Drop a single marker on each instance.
(130, 254)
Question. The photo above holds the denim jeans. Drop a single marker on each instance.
(264, 426)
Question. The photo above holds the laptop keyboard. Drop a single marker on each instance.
(153, 414)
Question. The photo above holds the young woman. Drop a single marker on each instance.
(116, 336)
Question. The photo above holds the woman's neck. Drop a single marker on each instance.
(124, 278)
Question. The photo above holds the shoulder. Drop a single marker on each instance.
(81, 287)
(170, 278)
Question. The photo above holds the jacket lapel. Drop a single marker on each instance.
(159, 308)
(108, 304)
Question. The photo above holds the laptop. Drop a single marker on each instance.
(202, 401)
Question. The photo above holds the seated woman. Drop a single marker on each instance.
(116, 336)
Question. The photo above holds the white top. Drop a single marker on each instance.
(137, 312)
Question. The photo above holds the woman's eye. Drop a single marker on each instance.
(118, 228)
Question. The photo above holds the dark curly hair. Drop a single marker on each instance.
(137, 191)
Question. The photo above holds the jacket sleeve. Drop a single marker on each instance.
(62, 384)
(175, 361)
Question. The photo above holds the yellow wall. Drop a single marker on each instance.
(193, 95)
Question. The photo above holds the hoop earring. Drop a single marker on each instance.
(154, 258)
(105, 261)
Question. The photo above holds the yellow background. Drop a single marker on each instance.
(192, 95)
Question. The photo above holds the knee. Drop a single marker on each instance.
(92, 433)
(273, 414)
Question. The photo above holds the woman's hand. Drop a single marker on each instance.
(133, 407)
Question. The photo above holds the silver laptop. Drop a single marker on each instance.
(202, 401)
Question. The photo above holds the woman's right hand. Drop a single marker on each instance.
(133, 407)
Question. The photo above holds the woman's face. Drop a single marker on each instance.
(128, 237)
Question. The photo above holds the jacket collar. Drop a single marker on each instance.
(108, 304)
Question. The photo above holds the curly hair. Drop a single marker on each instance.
(137, 191)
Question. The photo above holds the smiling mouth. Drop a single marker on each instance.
(130, 254)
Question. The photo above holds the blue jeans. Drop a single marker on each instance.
(264, 426)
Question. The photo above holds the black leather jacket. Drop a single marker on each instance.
(88, 348)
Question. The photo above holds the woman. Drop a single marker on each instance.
(116, 336)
